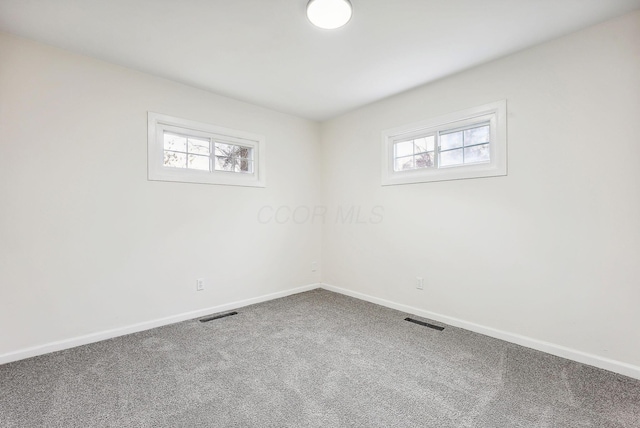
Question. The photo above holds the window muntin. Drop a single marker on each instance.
(444, 149)
(233, 158)
(414, 153)
(466, 144)
(183, 150)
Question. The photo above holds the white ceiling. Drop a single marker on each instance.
(267, 53)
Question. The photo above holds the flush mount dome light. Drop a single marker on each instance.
(329, 14)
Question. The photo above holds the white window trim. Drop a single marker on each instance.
(157, 123)
(494, 113)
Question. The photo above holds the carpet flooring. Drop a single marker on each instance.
(315, 359)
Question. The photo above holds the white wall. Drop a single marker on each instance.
(551, 251)
(87, 244)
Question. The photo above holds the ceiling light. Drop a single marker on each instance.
(329, 14)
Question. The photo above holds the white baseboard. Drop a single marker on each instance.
(121, 331)
(550, 348)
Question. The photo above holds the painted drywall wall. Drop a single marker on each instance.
(549, 252)
(88, 244)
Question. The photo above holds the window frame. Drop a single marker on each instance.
(159, 123)
(494, 114)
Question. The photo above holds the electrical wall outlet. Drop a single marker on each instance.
(419, 283)
(314, 266)
(199, 284)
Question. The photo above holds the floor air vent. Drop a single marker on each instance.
(217, 317)
(426, 324)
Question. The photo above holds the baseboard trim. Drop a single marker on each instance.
(147, 325)
(550, 348)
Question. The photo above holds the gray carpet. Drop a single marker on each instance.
(316, 359)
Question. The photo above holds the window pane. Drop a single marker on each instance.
(199, 146)
(477, 135)
(232, 150)
(226, 163)
(246, 166)
(224, 160)
(424, 160)
(244, 152)
(451, 141)
(477, 154)
(402, 164)
(404, 148)
(425, 144)
(175, 159)
(224, 149)
(453, 157)
(175, 142)
(198, 162)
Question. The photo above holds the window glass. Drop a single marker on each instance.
(187, 151)
(466, 144)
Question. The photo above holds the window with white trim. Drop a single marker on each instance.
(188, 151)
(466, 144)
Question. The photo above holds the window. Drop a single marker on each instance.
(466, 144)
(188, 151)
